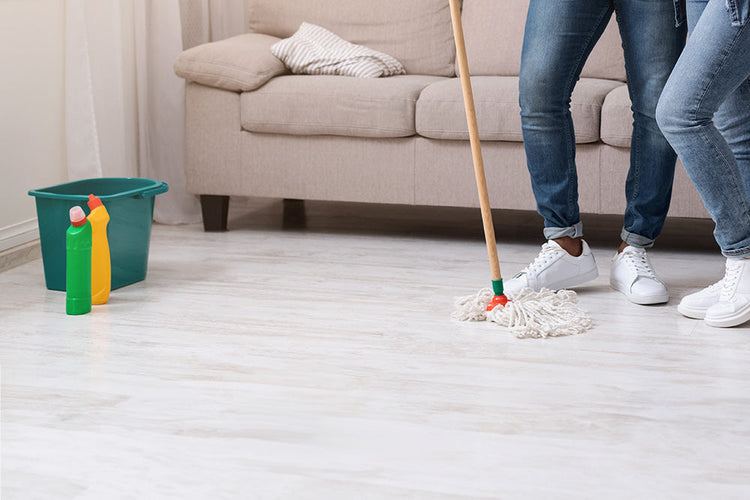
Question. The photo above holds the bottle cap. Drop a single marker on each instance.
(77, 217)
(94, 202)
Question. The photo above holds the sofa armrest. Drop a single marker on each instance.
(240, 63)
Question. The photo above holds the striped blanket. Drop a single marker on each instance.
(314, 50)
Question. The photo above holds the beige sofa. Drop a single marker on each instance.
(255, 130)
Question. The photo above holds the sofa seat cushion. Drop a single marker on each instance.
(335, 105)
(441, 115)
(617, 118)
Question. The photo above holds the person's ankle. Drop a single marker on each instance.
(623, 246)
(574, 246)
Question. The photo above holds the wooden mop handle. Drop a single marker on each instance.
(476, 149)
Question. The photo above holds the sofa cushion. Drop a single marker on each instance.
(441, 115)
(243, 62)
(416, 32)
(335, 105)
(617, 118)
(494, 47)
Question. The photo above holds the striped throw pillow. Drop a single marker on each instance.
(313, 50)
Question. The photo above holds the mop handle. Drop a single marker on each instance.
(476, 150)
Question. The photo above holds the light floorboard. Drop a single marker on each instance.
(278, 360)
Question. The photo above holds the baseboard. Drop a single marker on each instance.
(19, 244)
(20, 255)
(18, 234)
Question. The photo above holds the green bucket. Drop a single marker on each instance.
(130, 204)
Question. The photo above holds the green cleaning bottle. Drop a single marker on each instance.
(78, 263)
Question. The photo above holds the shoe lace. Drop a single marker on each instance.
(546, 255)
(639, 263)
(731, 277)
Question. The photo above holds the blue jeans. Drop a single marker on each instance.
(705, 114)
(559, 37)
(739, 11)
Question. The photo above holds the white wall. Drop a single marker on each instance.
(32, 132)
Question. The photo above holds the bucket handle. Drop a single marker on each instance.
(160, 188)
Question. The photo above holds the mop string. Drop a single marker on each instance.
(530, 314)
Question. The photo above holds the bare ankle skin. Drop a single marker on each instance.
(622, 247)
(574, 246)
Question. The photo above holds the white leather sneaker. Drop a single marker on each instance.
(554, 269)
(632, 274)
(696, 304)
(733, 307)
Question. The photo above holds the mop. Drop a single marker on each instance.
(529, 314)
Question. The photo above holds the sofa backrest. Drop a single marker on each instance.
(493, 30)
(416, 32)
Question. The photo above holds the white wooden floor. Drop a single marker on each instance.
(321, 362)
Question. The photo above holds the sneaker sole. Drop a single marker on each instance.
(735, 319)
(575, 280)
(692, 312)
(646, 300)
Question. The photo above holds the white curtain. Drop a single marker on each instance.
(125, 111)
(210, 20)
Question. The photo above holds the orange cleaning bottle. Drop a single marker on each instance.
(101, 266)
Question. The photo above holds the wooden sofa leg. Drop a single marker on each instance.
(215, 210)
(294, 214)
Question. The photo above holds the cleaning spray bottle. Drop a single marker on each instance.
(78, 263)
(101, 267)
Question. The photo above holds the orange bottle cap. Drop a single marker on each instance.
(94, 202)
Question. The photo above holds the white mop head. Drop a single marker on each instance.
(529, 314)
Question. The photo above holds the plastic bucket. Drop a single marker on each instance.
(130, 204)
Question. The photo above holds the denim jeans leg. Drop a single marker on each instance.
(733, 116)
(713, 66)
(558, 38)
(652, 45)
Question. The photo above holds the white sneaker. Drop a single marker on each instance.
(733, 307)
(696, 304)
(631, 273)
(554, 269)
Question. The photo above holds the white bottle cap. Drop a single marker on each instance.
(77, 217)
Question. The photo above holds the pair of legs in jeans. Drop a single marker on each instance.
(704, 112)
(558, 39)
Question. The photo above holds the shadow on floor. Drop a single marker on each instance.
(514, 226)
